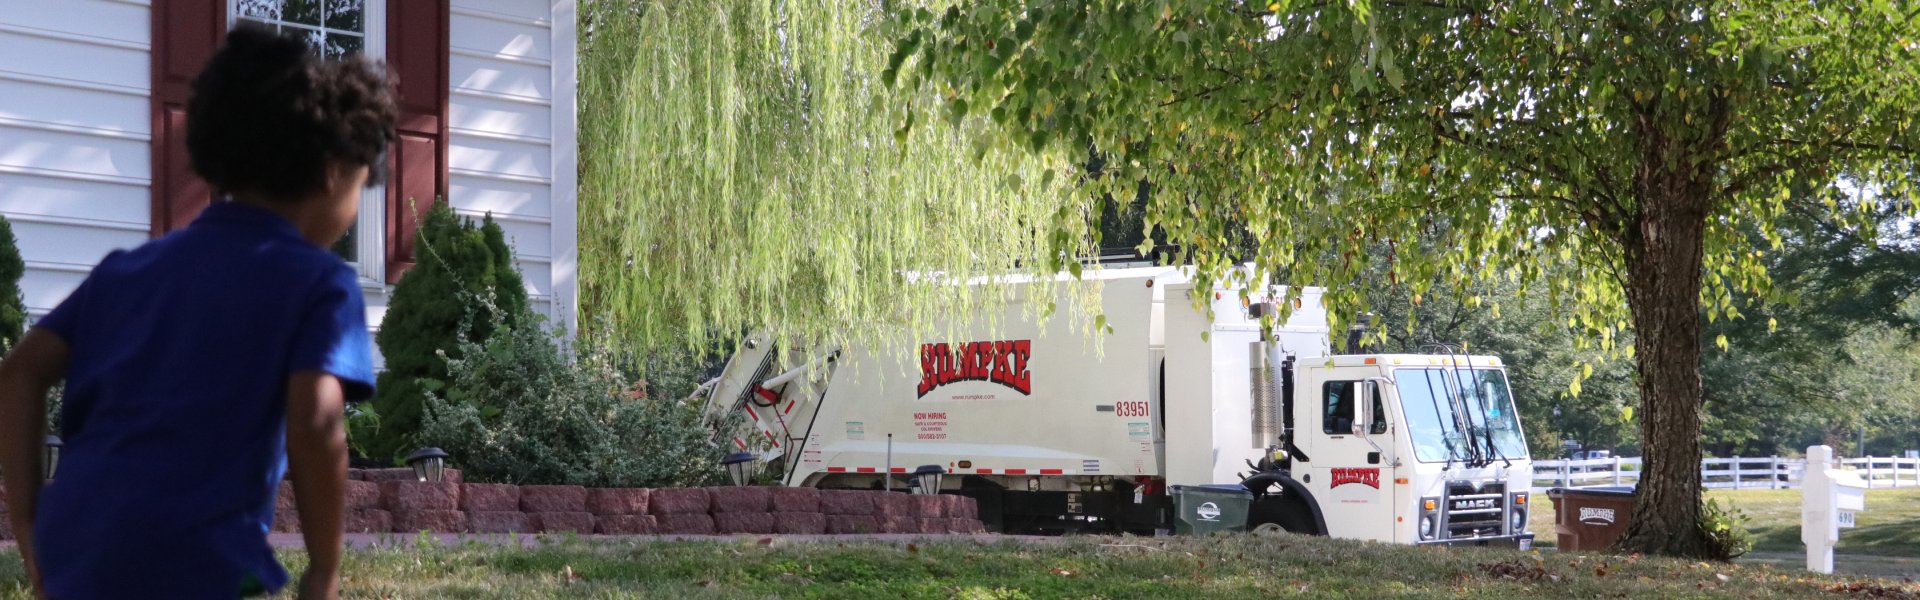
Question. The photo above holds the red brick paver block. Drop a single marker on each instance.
(363, 495)
(740, 499)
(935, 525)
(799, 523)
(929, 507)
(497, 521)
(489, 497)
(282, 500)
(969, 507)
(413, 496)
(893, 504)
(437, 521)
(367, 521)
(617, 501)
(356, 474)
(956, 506)
(684, 524)
(553, 498)
(846, 502)
(899, 525)
(969, 526)
(845, 524)
(625, 525)
(285, 521)
(677, 501)
(743, 522)
(561, 522)
(795, 500)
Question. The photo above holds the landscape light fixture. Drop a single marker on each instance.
(50, 457)
(928, 479)
(739, 467)
(429, 464)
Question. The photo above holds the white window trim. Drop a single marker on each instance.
(372, 234)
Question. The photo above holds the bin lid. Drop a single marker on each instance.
(1601, 490)
(1232, 489)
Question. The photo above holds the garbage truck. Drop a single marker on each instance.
(1054, 426)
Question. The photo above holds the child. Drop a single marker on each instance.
(199, 367)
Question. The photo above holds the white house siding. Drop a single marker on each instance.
(511, 105)
(75, 133)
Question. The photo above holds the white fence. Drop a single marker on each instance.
(1763, 472)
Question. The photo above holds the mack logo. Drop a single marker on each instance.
(1366, 477)
(1474, 503)
(1003, 362)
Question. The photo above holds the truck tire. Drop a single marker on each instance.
(1279, 500)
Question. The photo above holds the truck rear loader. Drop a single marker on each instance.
(1056, 428)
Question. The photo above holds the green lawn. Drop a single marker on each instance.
(1238, 566)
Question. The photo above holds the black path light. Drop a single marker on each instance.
(928, 479)
(50, 457)
(739, 466)
(429, 464)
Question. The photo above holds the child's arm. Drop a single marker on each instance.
(34, 366)
(317, 465)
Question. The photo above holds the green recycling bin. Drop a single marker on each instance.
(1204, 509)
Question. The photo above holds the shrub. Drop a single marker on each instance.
(520, 408)
(462, 266)
(13, 310)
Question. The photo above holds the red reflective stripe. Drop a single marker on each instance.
(899, 469)
(755, 416)
(865, 469)
(770, 395)
(1016, 471)
(789, 409)
(984, 471)
(836, 469)
(740, 442)
(1052, 471)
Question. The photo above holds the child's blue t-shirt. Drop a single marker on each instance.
(174, 414)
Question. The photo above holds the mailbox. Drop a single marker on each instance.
(1829, 498)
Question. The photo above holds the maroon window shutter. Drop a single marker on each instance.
(185, 33)
(417, 41)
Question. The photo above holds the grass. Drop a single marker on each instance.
(1083, 567)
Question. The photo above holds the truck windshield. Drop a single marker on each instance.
(1433, 424)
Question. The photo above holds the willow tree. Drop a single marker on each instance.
(744, 168)
(1631, 138)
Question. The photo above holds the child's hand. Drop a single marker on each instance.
(319, 586)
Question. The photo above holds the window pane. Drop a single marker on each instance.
(304, 12)
(348, 248)
(264, 9)
(342, 46)
(1338, 418)
(345, 15)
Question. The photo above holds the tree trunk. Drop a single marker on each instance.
(1663, 253)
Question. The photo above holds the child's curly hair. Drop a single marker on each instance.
(267, 117)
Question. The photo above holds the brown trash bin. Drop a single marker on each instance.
(1587, 519)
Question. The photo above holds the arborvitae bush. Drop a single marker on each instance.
(461, 269)
(13, 310)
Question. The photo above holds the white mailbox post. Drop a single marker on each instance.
(1829, 497)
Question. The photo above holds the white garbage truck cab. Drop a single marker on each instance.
(1053, 426)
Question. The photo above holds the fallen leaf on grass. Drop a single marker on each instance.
(913, 548)
(1517, 570)
(1874, 590)
(1062, 572)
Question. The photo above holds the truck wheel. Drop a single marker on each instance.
(1278, 511)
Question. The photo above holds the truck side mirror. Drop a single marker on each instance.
(1363, 407)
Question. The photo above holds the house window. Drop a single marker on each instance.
(335, 29)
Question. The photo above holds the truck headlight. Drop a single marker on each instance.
(1426, 527)
(1519, 520)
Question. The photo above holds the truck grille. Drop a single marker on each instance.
(1474, 512)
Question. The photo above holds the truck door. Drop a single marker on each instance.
(1352, 475)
